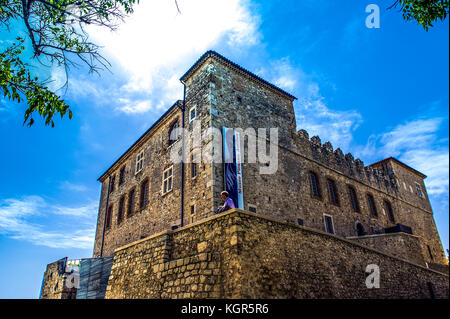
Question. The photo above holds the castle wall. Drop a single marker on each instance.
(226, 96)
(149, 220)
(238, 102)
(400, 245)
(243, 255)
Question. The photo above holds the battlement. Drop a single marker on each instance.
(345, 164)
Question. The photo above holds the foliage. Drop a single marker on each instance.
(425, 12)
(56, 31)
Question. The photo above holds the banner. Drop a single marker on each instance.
(233, 167)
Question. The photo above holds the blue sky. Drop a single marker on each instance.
(372, 92)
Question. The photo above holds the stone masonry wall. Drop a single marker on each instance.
(400, 245)
(237, 102)
(242, 255)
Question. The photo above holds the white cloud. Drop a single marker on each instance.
(415, 143)
(311, 109)
(72, 187)
(156, 45)
(62, 230)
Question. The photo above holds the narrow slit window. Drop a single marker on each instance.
(354, 199)
(372, 206)
(121, 210)
(329, 226)
(144, 194)
(131, 202)
(333, 192)
(314, 184)
(389, 211)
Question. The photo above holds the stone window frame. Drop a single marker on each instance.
(249, 206)
(131, 202)
(389, 211)
(194, 167)
(317, 186)
(335, 192)
(372, 205)
(332, 223)
(165, 179)
(172, 127)
(113, 183)
(194, 108)
(192, 213)
(144, 196)
(419, 191)
(109, 214)
(140, 162)
(364, 232)
(354, 202)
(122, 175)
(121, 210)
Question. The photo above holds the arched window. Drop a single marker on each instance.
(353, 199)
(315, 189)
(333, 192)
(372, 206)
(173, 133)
(360, 229)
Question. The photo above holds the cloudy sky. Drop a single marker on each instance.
(372, 92)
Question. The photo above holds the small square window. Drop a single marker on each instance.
(252, 208)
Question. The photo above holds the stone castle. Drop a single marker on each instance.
(307, 231)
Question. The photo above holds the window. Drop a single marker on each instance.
(333, 193)
(173, 133)
(353, 199)
(122, 175)
(144, 194)
(113, 183)
(300, 222)
(109, 213)
(373, 208)
(432, 290)
(360, 229)
(252, 208)
(167, 180)
(419, 190)
(329, 226)
(430, 253)
(139, 162)
(192, 215)
(121, 210)
(314, 184)
(131, 202)
(389, 211)
(193, 167)
(192, 114)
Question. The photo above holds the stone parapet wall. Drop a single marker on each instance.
(242, 255)
(400, 245)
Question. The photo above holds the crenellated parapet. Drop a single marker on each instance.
(346, 164)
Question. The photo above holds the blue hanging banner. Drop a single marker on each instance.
(233, 167)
